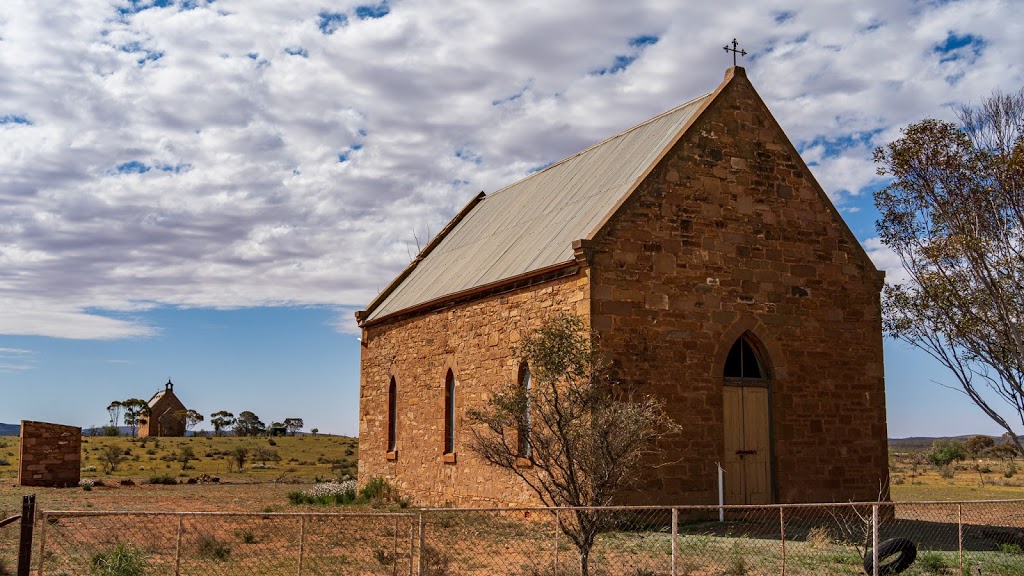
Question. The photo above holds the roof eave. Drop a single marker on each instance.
(362, 315)
(503, 285)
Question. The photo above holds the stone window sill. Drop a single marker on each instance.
(393, 455)
(448, 458)
(523, 463)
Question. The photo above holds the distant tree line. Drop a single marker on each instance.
(135, 412)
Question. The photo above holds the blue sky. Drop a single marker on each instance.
(206, 191)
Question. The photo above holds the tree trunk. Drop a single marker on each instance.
(585, 561)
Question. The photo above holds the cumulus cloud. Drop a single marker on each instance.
(248, 153)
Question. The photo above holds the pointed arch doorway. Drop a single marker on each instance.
(746, 395)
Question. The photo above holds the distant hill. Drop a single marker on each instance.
(925, 442)
(10, 429)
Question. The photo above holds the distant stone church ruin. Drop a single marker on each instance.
(166, 415)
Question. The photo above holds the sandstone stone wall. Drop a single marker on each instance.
(475, 340)
(729, 234)
(51, 454)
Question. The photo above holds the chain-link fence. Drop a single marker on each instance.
(966, 538)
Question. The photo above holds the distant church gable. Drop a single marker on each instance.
(166, 414)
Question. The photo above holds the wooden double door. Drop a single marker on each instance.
(747, 458)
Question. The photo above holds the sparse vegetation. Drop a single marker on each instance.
(121, 560)
(210, 547)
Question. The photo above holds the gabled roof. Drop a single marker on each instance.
(529, 227)
(156, 398)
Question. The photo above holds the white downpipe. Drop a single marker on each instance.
(721, 492)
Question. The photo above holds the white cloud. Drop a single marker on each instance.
(886, 260)
(231, 192)
(16, 359)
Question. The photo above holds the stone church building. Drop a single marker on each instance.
(717, 274)
(166, 415)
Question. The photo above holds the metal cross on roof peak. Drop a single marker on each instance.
(735, 51)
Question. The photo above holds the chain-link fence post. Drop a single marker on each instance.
(302, 541)
(394, 550)
(874, 539)
(558, 528)
(782, 537)
(675, 537)
(42, 542)
(419, 549)
(960, 534)
(177, 546)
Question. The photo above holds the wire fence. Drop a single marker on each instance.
(966, 538)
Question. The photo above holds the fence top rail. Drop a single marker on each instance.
(727, 506)
(83, 513)
(552, 509)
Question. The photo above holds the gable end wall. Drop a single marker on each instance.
(729, 233)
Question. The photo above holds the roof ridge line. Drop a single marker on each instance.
(603, 142)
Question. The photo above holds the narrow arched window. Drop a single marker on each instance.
(449, 413)
(392, 416)
(524, 447)
(742, 362)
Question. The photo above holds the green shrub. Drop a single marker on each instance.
(210, 547)
(1010, 470)
(247, 536)
(378, 490)
(121, 560)
(946, 472)
(163, 479)
(932, 562)
(5, 570)
(1007, 548)
(945, 452)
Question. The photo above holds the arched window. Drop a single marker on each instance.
(524, 448)
(449, 413)
(742, 362)
(392, 416)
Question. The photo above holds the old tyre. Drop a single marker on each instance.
(894, 556)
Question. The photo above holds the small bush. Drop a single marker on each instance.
(5, 570)
(1008, 548)
(163, 479)
(985, 470)
(378, 490)
(5, 462)
(946, 472)
(1010, 470)
(383, 557)
(210, 547)
(121, 560)
(932, 562)
(247, 536)
(819, 537)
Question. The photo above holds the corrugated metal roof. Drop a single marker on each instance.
(531, 224)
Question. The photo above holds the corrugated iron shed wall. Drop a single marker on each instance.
(531, 224)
